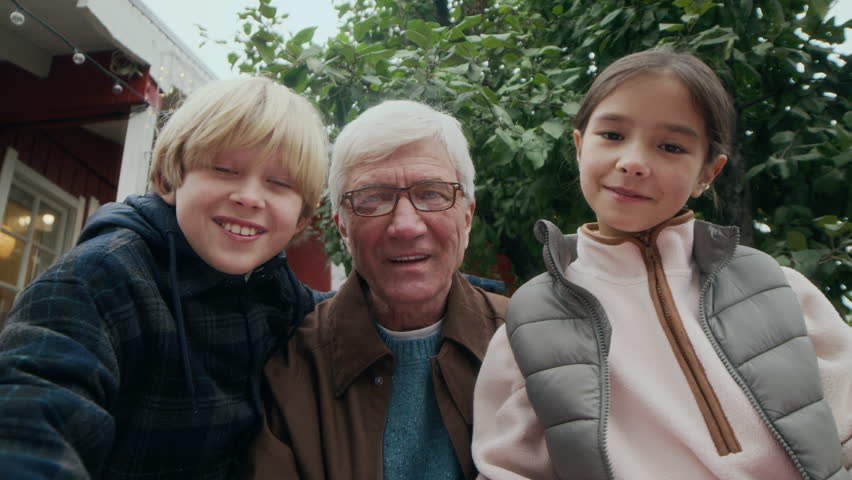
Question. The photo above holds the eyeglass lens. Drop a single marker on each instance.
(427, 197)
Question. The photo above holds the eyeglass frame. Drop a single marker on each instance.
(457, 187)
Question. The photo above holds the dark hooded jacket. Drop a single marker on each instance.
(132, 358)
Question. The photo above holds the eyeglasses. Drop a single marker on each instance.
(425, 197)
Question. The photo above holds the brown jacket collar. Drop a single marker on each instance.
(645, 237)
(356, 345)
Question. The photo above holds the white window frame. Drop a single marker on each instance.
(14, 172)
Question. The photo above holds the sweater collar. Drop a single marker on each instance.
(643, 238)
(356, 343)
(713, 245)
(619, 259)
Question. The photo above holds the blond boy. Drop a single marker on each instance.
(138, 354)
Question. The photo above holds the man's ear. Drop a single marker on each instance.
(468, 215)
(468, 223)
(344, 232)
(578, 143)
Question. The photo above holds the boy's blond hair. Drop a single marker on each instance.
(242, 113)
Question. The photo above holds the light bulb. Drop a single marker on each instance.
(17, 18)
(117, 88)
(78, 58)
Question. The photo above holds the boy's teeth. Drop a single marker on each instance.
(238, 230)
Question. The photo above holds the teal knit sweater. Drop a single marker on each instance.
(416, 444)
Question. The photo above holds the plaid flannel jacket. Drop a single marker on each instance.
(98, 379)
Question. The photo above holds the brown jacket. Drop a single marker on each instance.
(327, 396)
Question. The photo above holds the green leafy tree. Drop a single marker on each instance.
(514, 71)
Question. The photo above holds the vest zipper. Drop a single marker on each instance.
(602, 348)
(702, 317)
(718, 426)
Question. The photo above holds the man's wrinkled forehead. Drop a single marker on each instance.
(415, 162)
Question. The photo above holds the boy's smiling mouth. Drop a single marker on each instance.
(243, 229)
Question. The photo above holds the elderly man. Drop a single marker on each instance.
(378, 382)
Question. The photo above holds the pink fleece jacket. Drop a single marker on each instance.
(655, 428)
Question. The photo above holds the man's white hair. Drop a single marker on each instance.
(382, 129)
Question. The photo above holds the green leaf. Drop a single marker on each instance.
(311, 51)
(761, 49)
(755, 170)
(507, 139)
(832, 182)
(796, 241)
(782, 138)
(304, 35)
(773, 12)
(713, 36)
(690, 17)
(489, 95)
(826, 220)
(470, 21)
(362, 28)
(571, 108)
(495, 40)
(807, 261)
(267, 11)
(550, 50)
(420, 33)
(315, 65)
(818, 7)
(609, 18)
(553, 127)
(810, 155)
(847, 118)
(267, 53)
(536, 156)
(842, 159)
(372, 79)
(502, 114)
(670, 27)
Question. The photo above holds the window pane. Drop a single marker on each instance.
(39, 261)
(19, 211)
(47, 226)
(7, 297)
(11, 255)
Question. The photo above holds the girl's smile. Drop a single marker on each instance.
(626, 194)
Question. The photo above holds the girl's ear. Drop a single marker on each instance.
(709, 173)
(578, 143)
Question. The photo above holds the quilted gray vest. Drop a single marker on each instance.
(560, 338)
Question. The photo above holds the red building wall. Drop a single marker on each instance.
(77, 160)
(310, 264)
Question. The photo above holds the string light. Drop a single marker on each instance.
(17, 18)
(78, 58)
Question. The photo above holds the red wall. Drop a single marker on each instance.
(77, 160)
(310, 264)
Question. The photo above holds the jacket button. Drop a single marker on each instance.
(379, 381)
